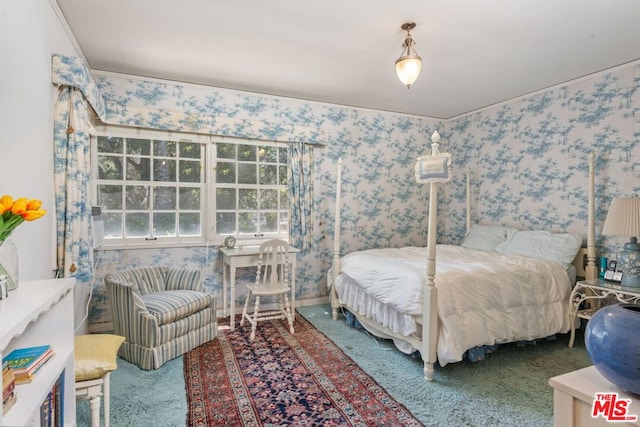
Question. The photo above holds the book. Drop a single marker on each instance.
(59, 400)
(8, 403)
(25, 362)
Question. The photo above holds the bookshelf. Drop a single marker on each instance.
(40, 312)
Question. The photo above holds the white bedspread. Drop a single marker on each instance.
(483, 298)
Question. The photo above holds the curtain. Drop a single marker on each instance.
(72, 174)
(301, 193)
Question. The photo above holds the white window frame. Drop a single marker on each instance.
(209, 235)
(243, 239)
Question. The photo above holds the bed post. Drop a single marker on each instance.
(430, 292)
(335, 267)
(468, 199)
(591, 271)
(431, 169)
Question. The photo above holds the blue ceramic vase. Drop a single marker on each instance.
(612, 338)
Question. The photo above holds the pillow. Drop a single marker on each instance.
(486, 237)
(561, 248)
(95, 355)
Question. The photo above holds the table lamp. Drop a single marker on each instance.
(623, 219)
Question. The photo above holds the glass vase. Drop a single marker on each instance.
(9, 263)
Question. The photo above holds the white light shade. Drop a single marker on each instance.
(623, 218)
(408, 69)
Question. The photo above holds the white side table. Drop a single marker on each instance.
(595, 292)
(573, 397)
(247, 257)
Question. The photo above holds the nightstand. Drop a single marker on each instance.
(573, 396)
(597, 293)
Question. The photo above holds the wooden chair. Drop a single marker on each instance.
(272, 279)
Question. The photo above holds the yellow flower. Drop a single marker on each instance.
(5, 203)
(19, 206)
(15, 212)
(33, 205)
(33, 215)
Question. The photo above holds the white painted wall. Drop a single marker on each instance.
(30, 32)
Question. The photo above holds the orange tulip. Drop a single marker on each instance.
(33, 205)
(33, 215)
(19, 206)
(5, 203)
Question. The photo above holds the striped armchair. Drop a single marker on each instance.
(162, 312)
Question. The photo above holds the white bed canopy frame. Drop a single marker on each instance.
(426, 339)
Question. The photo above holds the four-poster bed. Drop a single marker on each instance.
(446, 314)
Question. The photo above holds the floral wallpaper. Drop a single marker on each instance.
(527, 158)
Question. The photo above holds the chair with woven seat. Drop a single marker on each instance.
(272, 279)
(163, 312)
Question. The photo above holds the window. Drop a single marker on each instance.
(251, 198)
(152, 187)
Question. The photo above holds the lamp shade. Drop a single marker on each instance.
(623, 218)
(408, 68)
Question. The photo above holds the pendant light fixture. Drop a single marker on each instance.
(409, 64)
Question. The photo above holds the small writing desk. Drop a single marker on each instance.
(247, 257)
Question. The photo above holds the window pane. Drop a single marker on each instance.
(270, 224)
(247, 153)
(191, 150)
(113, 225)
(138, 169)
(189, 224)
(248, 222)
(226, 222)
(110, 167)
(136, 224)
(284, 154)
(268, 199)
(189, 198)
(110, 144)
(248, 198)
(164, 198)
(284, 198)
(225, 173)
(140, 147)
(164, 170)
(247, 173)
(225, 198)
(269, 154)
(110, 196)
(137, 197)
(268, 174)
(189, 171)
(164, 148)
(164, 224)
(282, 171)
(284, 221)
(226, 151)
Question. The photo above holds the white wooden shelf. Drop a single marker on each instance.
(37, 313)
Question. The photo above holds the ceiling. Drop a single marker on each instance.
(475, 53)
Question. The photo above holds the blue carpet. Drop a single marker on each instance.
(509, 388)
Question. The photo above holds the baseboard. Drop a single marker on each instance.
(101, 328)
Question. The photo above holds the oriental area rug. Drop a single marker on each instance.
(283, 379)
